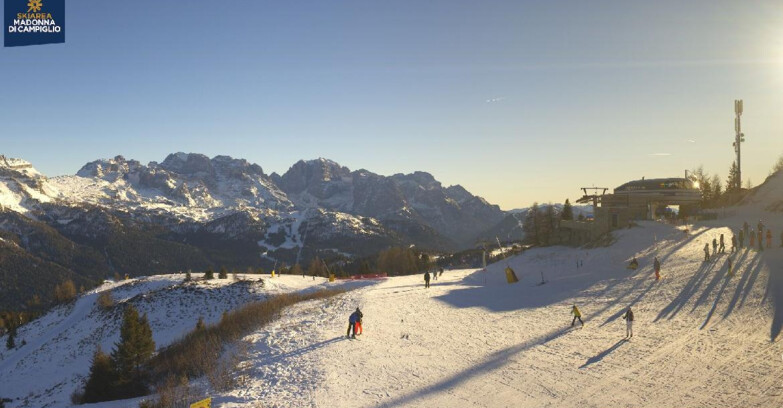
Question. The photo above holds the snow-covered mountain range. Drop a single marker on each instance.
(192, 211)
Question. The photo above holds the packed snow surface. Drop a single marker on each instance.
(703, 337)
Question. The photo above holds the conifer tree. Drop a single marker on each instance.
(223, 274)
(209, 275)
(733, 182)
(133, 351)
(102, 380)
(11, 342)
(532, 225)
(568, 211)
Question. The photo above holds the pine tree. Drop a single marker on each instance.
(717, 190)
(532, 225)
(102, 380)
(209, 275)
(568, 211)
(133, 351)
(188, 276)
(223, 274)
(11, 342)
(733, 182)
(550, 223)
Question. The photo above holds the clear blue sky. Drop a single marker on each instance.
(518, 101)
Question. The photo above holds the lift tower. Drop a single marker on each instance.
(738, 139)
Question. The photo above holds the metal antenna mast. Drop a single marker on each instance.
(738, 139)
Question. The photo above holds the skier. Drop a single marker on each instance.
(714, 246)
(745, 227)
(577, 315)
(427, 279)
(352, 319)
(657, 267)
(741, 238)
(733, 243)
(760, 233)
(722, 248)
(769, 238)
(707, 252)
(628, 317)
(634, 263)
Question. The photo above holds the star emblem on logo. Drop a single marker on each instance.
(35, 5)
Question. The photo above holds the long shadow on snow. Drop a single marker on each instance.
(501, 298)
(632, 303)
(681, 244)
(775, 292)
(303, 350)
(726, 279)
(524, 294)
(687, 292)
(641, 271)
(495, 361)
(601, 355)
(745, 284)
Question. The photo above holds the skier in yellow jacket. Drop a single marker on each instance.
(577, 315)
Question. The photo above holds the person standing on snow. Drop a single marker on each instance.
(427, 279)
(707, 252)
(760, 234)
(745, 227)
(358, 329)
(657, 267)
(577, 315)
(733, 243)
(714, 246)
(722, 248)
(628, 317)
(352, 319)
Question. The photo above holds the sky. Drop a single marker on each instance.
(517, 101)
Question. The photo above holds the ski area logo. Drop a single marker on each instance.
(35, 5)
(31, 22)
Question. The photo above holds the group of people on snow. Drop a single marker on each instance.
(656, 266)
(434, 276)
(756, 236)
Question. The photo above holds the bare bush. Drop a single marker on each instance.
(65, 291)
(105, 300)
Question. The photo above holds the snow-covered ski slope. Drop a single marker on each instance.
(702, 337)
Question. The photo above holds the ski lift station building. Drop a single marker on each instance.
(634, 200)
